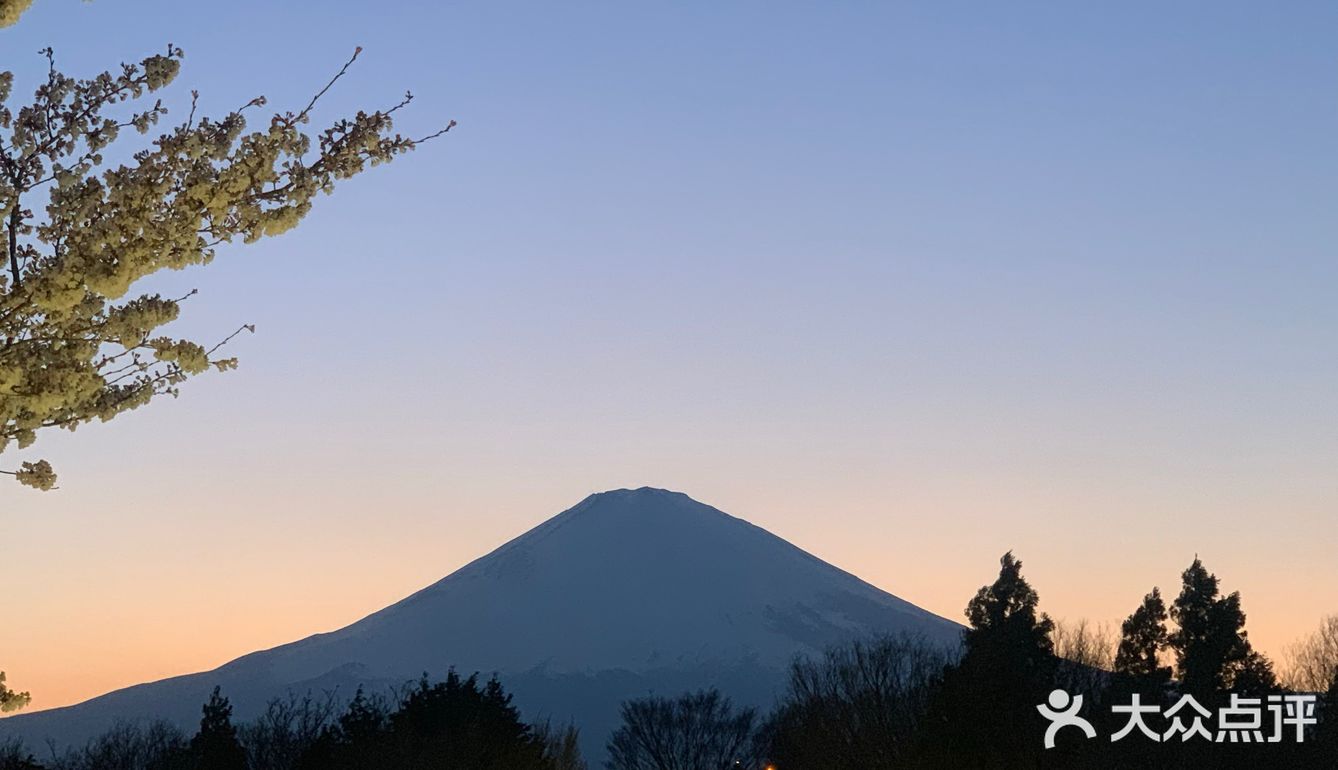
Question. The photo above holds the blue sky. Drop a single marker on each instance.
(908, 284)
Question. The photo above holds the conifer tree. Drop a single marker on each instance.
(1143, 635)
(986, 715)
(1004, 619)
(215, 746)
(1210, 643)
(363, 721)
(456, 723)
(1254, 675)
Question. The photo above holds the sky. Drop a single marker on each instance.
(907, 284)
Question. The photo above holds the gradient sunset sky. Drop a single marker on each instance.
(908, 284)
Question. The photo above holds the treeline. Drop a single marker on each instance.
(1184, 668)
(898, 702)
(456, 723)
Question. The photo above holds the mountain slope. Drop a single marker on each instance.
(629, 591)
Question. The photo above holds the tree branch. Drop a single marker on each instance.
(307, 110)
(15, 215)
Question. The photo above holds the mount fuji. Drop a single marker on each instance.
(627, 593)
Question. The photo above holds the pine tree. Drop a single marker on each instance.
(1003, 619)
(1210, 642)
(1143, 635)
(1254, 675)
(215, 746)
(987, 714)
(357, 738)
(363, 720)
(456, 723)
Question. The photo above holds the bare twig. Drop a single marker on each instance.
(448, 127)
(244, 328)
(307, 110)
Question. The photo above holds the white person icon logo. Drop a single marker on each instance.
(1063, 712)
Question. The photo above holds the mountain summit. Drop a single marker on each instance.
(629, 591)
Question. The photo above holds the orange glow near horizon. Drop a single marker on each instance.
(202, 606)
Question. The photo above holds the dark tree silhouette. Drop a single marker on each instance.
(454, 724)
(1253, 676)
(157, 745)
(215, 746)
(1326, 736)
(13, 756)
(987, 707)
(364, 720)
(465, 726)
(289, 727)
(1003, 617)
(860, 706)
(696, 731)
(1143, 636)
(1212, 648)
(360, 737)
